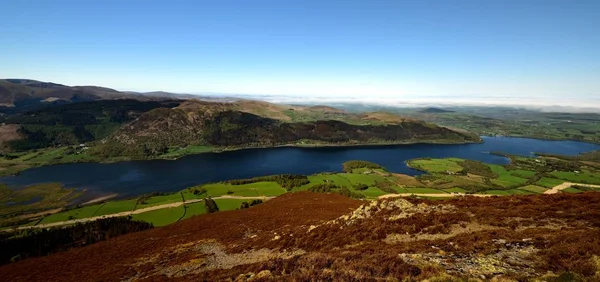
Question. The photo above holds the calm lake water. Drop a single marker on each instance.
(138, 177)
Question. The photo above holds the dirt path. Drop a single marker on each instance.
(430, 195)
(138, 211)
(566, 185)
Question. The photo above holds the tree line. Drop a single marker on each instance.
(332, 188)
(287, 181)
(355, 164)
(254, 202)
(41, 242)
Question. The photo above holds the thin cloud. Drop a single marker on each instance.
(591, 105)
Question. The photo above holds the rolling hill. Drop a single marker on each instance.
(21, 92)
(435, 111)
(257, 124)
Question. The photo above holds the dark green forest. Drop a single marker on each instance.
(76, 123)
(42, 242)
(287, 181)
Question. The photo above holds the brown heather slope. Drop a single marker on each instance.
(306, 236)
(111, 260)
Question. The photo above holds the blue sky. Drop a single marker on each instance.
(343, 49)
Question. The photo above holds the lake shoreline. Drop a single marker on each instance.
(128, 178)
(232, 149)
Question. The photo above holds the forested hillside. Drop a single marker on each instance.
(75, 123)
(232, 125)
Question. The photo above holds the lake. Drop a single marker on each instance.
(138, 177)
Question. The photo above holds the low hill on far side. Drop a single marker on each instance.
(435, 111)
(259, 124)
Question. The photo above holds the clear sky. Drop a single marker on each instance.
(346, 49)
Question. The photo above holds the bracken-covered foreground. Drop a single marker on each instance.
(310, 236)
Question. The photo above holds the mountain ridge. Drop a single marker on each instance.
(260, 124)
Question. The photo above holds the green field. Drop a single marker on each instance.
(188, 195)
(176, 152)
(357, 178)
(116, 207)
(581, 177)
(549, 182)
(455, 190)
(437, 165)
(194, 209)
(348, 180)
(373, 192)
(521, 192)
(425, 191)
(506, 178)
(509, 192)
(329, 178)
(534, 189)
(522, 173)
(84, 212)
(20, 161)
(498, 192)
(230, 204)
(571, 190)
(264, 188)
(161, 217)
(160, 200)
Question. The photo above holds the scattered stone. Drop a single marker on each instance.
(208, 255)
(265, 274)
(515, 259)
(244, 277)
(404, 207)
(499, 241)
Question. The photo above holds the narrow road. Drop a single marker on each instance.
(554, 190)
(138, 211)
(566, 185)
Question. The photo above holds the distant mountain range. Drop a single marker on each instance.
(146, 125)
(20, 92)
(26, 94)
